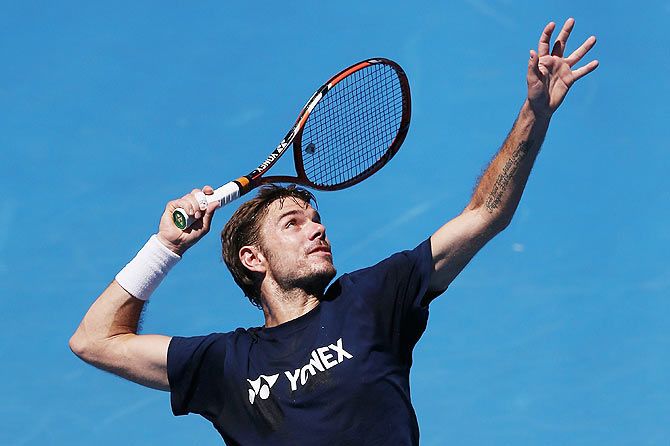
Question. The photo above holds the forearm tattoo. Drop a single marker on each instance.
(508, 171)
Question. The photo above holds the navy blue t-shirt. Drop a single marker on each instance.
(338, 375)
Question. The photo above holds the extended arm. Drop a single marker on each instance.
(107, 336)
(499, 190)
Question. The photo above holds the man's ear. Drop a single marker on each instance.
(253, 259)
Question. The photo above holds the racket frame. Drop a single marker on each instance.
(240, 186)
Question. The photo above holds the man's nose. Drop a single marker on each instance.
(317, 231)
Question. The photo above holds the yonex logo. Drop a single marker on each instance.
(320, 360)
(261, 387)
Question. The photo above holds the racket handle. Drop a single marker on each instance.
(224, 195)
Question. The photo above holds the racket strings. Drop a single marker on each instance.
(351, 129)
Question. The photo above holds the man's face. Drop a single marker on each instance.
(295, 247)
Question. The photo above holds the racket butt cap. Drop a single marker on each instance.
(181, 219)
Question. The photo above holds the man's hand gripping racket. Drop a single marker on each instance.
(348, 130)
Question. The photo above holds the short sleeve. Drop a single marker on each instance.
(397, 290)
(195, 367)
(409, 273)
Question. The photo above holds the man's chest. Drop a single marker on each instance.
(316, 369)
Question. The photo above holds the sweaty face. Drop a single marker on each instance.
(296, 248)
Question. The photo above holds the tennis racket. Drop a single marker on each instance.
(348, 130)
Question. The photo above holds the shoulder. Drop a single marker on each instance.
(395, 263)
(212, 341)
(386, 276)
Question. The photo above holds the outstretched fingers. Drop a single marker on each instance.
(577, 54)
(545, 38)
(586, 69)
(562, 39)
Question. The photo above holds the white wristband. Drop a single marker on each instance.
(142, 275)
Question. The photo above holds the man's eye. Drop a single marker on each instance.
(290, 223)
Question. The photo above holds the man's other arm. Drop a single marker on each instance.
(107, 339)
(107, 336)
(499, 189)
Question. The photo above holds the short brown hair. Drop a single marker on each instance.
(243, 229)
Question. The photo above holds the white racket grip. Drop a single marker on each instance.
(224, 195)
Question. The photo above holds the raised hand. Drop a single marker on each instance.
(174, 238)
(550, 76)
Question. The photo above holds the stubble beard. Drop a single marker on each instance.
(309, 278)
(316, 282)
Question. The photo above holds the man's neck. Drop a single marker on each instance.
(281, 306)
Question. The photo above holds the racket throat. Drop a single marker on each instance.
(245, 184)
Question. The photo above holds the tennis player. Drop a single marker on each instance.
(331, 363)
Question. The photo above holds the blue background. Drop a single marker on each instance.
(558, 332)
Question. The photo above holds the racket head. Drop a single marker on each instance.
(358, 122)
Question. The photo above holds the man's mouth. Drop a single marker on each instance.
(325, 249)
